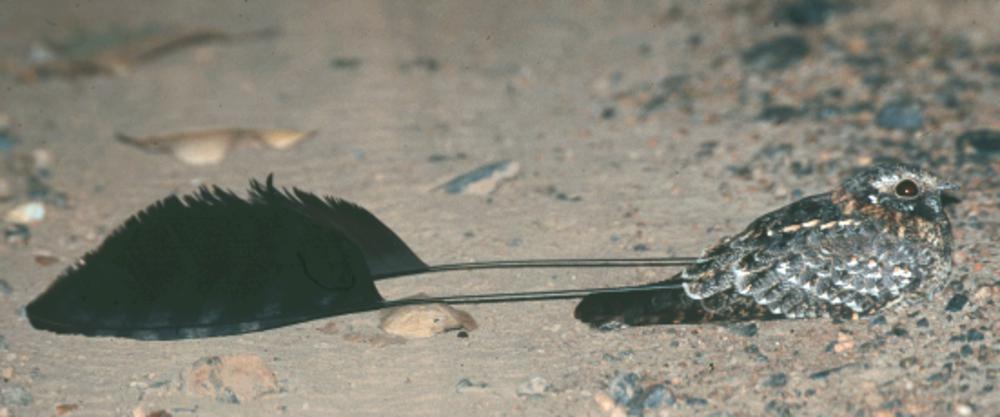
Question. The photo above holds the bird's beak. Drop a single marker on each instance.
(947, 186)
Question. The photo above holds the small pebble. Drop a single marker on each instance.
(827, 372)
(466, 385)
(623, 387)
(426, 63)
(27, 213)
(957, 303)
(5, 288)
(743, 329)
(141, 412)
(230, 379)
(777, 380)
(778, 408)
(923, 323)
(804, 13)
(845, 342)
(425, 320)
(345, 63)
(974, 335)
(65, 409)
(16, 234)
(3, 342)
(901, 114)
(45, 258)
(696, 401)
(15, 394)
(983, 141)
(604, 401)
(533, 387)
(776, 54)
(6, 190)
(657, 396)
(966, 350)
(42, 159)
(779, 114)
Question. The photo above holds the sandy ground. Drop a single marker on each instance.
(650, 118)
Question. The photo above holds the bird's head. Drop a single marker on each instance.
(899, 188)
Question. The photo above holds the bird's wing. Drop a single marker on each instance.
(751, 250)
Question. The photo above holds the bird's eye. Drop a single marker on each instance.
(907, 189)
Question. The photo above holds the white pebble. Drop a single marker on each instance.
(26, 213)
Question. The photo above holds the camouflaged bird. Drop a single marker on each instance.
(880, 238)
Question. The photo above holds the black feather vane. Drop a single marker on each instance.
(213, 264)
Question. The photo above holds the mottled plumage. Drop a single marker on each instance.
(882, 236)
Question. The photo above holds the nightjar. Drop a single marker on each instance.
(879, 238)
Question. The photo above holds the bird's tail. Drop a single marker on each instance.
(664, 306)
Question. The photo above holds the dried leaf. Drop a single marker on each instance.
(206, 147)
(117, 52)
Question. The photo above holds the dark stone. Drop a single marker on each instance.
(467, 385)
(5, 288)
(939, 377)
(7, 141)
(907, 361)
(706, 149)
(623, 387)
(645, 49)
(778, 408)
(744, 329)
(345, 63)
(957, 303)
(779, 114)
(754, 352)
(696, 401)
(17, 234)
(826, 372)
(657, 396)
(899, 331)
(460, 183)
(777, 380)
(877, 320)
(3, 343)
(462, 334)
(892, 404)
(993, 68)
(923, 322)
(15, 394)
(966, 350)
(776, 53)
(641, 247)
(901, 114)
(983, 141)
(608, 113)
(652, 105)
(424, 62)
(974, 335)
(804, 13)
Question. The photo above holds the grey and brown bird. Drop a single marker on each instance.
(881, 237)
